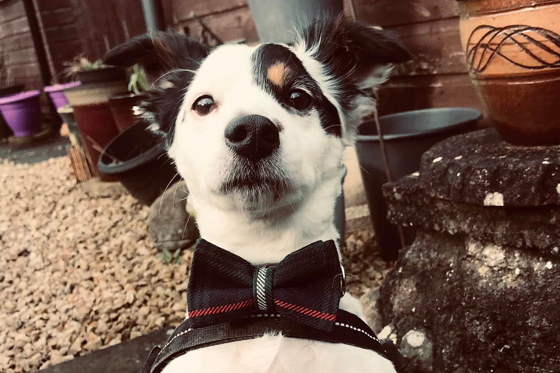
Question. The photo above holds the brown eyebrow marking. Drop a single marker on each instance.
(278, 73)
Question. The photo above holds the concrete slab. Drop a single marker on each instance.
(47, 148)
(127, 357)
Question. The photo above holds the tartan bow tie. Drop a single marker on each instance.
(305, 287)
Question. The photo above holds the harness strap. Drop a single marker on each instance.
(349, 329)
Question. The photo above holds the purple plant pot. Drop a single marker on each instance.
(56, 93)
(22, 112)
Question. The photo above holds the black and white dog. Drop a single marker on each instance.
(258, 134)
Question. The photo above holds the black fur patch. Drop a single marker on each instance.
(169, 58)
(294, 76)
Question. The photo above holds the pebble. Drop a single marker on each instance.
(68, 262)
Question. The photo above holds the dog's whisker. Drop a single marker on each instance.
(171, 72)
(185, 227)
(165, 190)
(363, 169)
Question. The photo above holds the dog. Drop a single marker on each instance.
(258, 133)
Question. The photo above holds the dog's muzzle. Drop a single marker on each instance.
(253, 137)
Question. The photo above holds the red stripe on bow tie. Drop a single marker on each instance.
(305, 311)
(221, 309)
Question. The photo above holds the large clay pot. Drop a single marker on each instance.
(124, 109)
(512, 49)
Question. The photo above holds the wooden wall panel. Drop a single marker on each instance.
(232, 25)
(421, 92)
(177, 11)
(16, 41)
(10, 10)
(89, 27)
(16, 26)
(228, 19)
(46, 5)
(403, 12)
(436, 47)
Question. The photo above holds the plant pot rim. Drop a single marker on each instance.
(102, 68)
(19, 97)
(61, 87)
(470, 115)
(133, 163)
(127, 95)
(97, 85)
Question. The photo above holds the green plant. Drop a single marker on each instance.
(138, 82)
(169, 257)
(81, 63)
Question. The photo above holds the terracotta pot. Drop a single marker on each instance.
(123, 109)
(93, 114)
(512, 49)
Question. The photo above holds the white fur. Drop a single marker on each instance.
(270, 230)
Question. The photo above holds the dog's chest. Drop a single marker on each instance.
(276, 354)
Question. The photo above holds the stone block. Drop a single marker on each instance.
(481, 281)
(171, 226)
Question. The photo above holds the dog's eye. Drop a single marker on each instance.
(300, 100)
(204, 105)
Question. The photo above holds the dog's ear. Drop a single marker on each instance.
(350, 61)
(170, 60)
(158, 53)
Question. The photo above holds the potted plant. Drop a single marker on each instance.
(87, 72)
(22, 112)
(124, 106)
(512, 50)
(90, 102)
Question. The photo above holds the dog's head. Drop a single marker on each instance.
(259, 128)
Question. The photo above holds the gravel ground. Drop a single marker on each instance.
(78, 274)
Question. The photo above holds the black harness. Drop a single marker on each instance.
(230, 318)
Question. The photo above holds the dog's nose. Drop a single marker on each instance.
(252, 136)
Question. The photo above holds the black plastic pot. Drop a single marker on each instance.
(407, 136)
(105, 74)
(138, 159)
